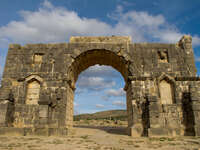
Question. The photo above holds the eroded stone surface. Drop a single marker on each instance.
(166, 92)
(38, 84)
(113, 39)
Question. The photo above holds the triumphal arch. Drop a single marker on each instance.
(162, 89)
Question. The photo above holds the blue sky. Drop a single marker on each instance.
(47, 21)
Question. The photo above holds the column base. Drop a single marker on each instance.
(135, 131)
(163, 131)
(35, 131)
(197, 130)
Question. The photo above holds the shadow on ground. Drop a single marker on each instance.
(108, 129)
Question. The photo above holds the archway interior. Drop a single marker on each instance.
(99, 88)
(91, 58)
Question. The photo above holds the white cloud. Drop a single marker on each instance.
(80, 91)
(126, 3)
(169, 36)
(118, 103)
(94, 83)
(2, 59)
(105, 97)
(143, 26)
(119, 9)
(196, 40)
(1, 70)
(99, 106)
(100, 71)
(47, 4)
(57, 24)
(197, 59)
(51, 24)
(115, 92)
(97, 78)
(144, 19)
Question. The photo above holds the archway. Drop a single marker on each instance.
(91, 58)
(100, 100)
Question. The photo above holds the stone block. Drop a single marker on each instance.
(136, 130)
(196, 107)
(43, 111)
(58, 131)
(3, 114)
(113, 39)
(41, 131)
(157, 132)
(197, 130)
(12, 131)
(6, 112)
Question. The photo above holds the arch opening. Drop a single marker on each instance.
(101, 57)
(100, 99)
(88, 59)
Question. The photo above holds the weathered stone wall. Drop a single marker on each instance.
(144, 66)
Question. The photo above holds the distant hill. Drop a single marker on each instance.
(108, 115)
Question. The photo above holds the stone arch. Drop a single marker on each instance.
(33, 86)
(34, 76)
(166, 86)
(96, 56)
(91, 58)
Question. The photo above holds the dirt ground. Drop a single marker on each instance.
(94, 138)
(110, 123)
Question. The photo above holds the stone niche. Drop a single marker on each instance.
(163, 56)
(166, 92)
(37, 58)
(33, 92)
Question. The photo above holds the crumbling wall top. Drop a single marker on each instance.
(38, 46)
(101, 39)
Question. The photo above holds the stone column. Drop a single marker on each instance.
(6, 113)
(66, 106)
(195, 102)
(43, 116)
(185, 44)
(135, 126)
(154, 116)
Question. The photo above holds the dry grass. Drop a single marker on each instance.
(98, 139)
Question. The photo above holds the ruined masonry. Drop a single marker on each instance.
(162, 89)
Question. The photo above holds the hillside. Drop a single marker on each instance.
(108, 115)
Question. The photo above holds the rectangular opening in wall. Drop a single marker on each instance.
(37, 59)
(163, 56)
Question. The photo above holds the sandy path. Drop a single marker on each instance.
(97, 139)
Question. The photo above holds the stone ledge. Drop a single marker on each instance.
(143, 78)
(101, 39)
(158, 132)
(34, 131)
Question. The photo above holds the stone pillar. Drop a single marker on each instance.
(6, 113)
(185, 44)
(69, 106)
(44, 110)
(136, 130)
(154, 117)
(195, 100)
(43, 116)
(135, 126)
